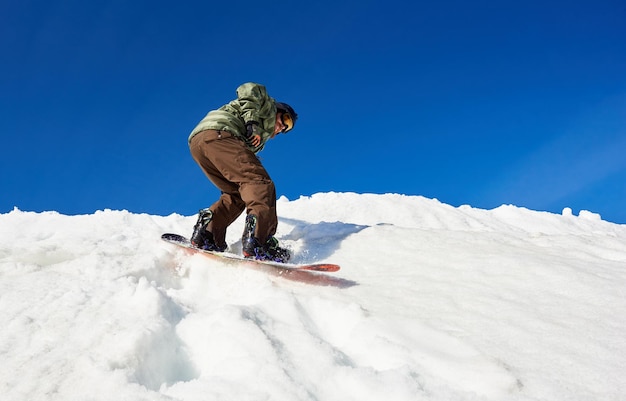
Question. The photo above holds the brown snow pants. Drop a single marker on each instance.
(244, 182)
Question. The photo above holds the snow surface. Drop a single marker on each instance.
(433, 302)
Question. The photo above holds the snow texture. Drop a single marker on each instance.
(432, 302)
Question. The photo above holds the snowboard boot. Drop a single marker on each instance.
(253, 248)
(201, 238)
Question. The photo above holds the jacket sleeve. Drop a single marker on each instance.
(254, 102)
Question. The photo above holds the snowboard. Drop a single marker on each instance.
(183, 242)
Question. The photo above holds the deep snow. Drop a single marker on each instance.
(432, 303)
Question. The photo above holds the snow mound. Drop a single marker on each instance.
(433, 302)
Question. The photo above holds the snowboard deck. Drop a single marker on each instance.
(184, 242)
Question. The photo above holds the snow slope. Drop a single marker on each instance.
(432, 303)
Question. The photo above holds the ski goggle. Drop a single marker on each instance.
(287, 122)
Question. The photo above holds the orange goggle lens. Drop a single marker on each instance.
(287, 122)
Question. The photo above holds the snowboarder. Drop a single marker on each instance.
(225, 144)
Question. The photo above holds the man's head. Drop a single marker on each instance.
(285, 118)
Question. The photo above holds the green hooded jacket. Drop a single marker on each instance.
(252, 104)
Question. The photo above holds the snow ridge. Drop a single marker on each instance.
(433, 302)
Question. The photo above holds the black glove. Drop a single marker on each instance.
(252, 128)
(253, 133)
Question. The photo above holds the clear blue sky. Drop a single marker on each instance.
(471, 102)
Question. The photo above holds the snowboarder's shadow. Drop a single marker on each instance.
(319, 240)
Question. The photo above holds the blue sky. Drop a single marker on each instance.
(481, 103)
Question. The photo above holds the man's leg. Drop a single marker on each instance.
(204, 147)
(243, 180)
(226, 210)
